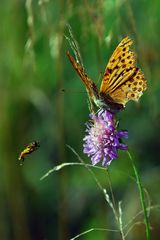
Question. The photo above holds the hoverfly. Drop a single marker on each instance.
(28, 150)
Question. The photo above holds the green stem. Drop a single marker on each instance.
(142, 199)
(114, 206)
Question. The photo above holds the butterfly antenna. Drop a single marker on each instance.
(71, 91)
(100, 77)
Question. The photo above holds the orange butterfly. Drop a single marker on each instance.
(122, 80)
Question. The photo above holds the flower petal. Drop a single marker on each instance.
(102, 140)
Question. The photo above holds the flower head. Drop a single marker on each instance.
(102, 141)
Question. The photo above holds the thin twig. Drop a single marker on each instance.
(74, 45)
(94, 229)
(142, 199)
(59, 167)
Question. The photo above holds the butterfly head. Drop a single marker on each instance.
(105, 102)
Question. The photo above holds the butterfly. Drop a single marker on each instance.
(28, 150)
(122, 80)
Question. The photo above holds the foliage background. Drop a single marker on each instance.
(33, 71)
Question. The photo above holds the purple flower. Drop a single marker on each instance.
(102, 139)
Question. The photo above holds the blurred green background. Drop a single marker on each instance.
(33, 71)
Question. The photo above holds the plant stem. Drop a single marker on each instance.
(142, 199)
(118, 217)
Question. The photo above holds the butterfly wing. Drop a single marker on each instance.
(132, 89)
(122, 80)
(90, 85)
